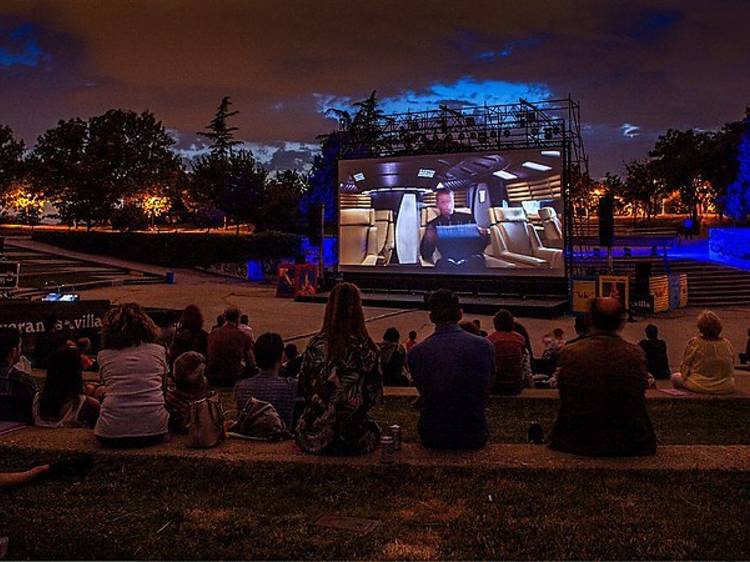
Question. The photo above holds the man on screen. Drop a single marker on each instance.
(460, 248)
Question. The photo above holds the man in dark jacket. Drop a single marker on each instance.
(655, 349)
(602, 381)
(452, 370)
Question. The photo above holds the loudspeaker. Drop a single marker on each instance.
(642, 275)
(606, 220)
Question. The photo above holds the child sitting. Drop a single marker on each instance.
(188, 384)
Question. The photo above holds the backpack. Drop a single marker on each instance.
(260, 421)
(206, 422)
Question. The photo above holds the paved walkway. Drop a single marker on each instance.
(295, 320)
(668, 458)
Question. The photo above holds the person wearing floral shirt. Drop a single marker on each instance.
(341, 380)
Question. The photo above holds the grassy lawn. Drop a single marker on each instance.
(222, 510)
(676, 422)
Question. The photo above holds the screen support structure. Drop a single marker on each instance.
(546, 124)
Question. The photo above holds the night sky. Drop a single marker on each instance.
(637, 68)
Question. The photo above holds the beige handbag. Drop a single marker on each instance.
(206, 422)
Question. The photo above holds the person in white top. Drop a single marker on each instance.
(133, 370)
(245, 326)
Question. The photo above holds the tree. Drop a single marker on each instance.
(63, 170)
(720, 161)
(641, 188)
(677, 159)
(219, 133)
(281, 207)
(89, 168)
(11, 159)
(736, 200)
(359, 135)
(232, 185)
(244, 190)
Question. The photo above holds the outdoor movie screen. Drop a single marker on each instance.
(478, 213)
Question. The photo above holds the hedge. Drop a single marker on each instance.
(177, 249)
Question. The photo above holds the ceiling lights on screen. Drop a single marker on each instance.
(554, 153)
(502, 174)
(536, 166)
(359, 176)
(425, 173)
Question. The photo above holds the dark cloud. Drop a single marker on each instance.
(644, 64)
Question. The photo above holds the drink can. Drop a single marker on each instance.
(396, 434)
(386, 450)
(536, 434)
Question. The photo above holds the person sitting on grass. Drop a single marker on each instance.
(189, 335)
(50, 340)
(84, 346)
(342, 381)
(292, 362)
(267, 385)
(512, 370)
(581, 327)
(393, 359)
(411, 341)
(17, 389)
(745, 357)
(220, 321)
(470, 327)
(708, 364)
(245, 326)
(657, 359)
(133, 369)
(602, 381)
(230, 352)
(188, 384)
(62, 402)
(452, 370)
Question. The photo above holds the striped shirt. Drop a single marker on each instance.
(281, 393)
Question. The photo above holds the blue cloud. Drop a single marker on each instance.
(653, 24)
(20, 47)
(465, 92)
(512, 46)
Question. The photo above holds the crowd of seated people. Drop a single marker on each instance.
(324, 394)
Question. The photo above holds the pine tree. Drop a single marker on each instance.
(220, 134)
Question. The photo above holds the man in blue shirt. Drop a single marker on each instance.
(267, 385)
(453, 371)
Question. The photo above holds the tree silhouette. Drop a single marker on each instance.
(89, 168)
(219, 132)
(737, 198)
(11, 159)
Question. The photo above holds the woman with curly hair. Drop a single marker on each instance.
(132, 369)
(341, 381)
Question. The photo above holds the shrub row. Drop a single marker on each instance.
(177, 249)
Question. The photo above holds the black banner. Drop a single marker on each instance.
(29, 317)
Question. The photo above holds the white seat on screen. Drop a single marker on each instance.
(358, 237)
(553, 234)
(514, 239)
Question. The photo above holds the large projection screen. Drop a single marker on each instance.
(479, 213)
